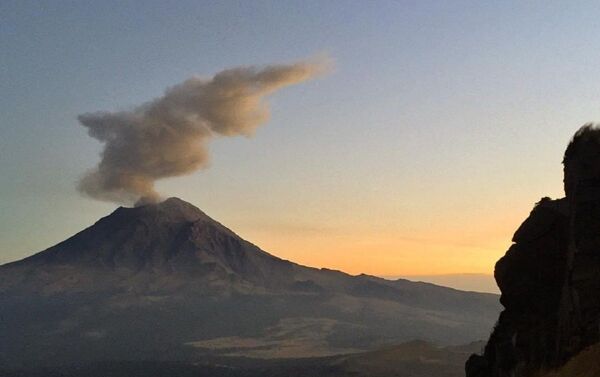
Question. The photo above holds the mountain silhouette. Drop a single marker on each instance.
(166, 282)
(173, 242)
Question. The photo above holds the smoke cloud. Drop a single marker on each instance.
(168, 136)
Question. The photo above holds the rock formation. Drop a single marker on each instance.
(550, 276)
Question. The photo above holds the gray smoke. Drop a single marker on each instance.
(168, 136)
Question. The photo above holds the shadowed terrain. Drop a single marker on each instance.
(412, 359)
(165, 282)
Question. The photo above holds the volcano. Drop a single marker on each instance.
(166, 282)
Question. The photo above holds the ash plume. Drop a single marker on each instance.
(168, 136)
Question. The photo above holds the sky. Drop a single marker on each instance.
(420, 153)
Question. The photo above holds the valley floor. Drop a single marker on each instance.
(414, 359)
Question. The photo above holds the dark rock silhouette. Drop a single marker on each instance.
(550, 276)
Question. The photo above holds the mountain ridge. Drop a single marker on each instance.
(167, 281)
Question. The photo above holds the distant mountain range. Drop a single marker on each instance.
(165, 282)
(464, 282)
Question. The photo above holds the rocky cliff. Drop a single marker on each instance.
(550, 276)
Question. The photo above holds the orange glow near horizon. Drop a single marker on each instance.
(455, 230)
(385, 253)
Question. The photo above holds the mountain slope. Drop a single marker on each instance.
(166, 282)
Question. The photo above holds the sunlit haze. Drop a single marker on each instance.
(419, 153)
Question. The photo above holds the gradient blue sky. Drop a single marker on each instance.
(441, 125)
